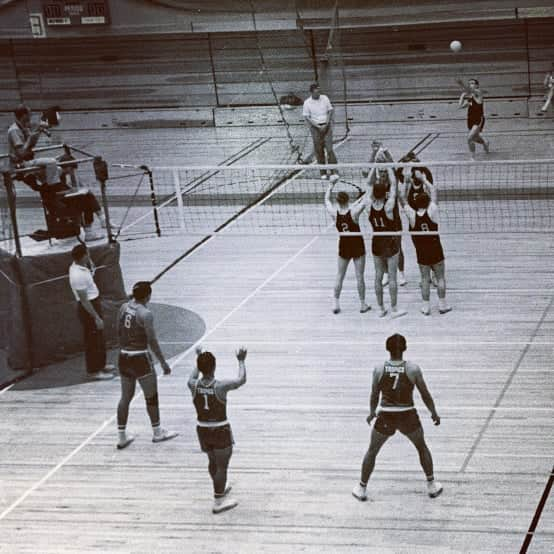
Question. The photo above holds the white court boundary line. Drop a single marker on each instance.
(176, 360)
(2, 391)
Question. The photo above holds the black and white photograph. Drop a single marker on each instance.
(276, 276)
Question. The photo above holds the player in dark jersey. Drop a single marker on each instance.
(346, 217)
(473, 100)
(209, 397)
(423, 216)
(136, 338)
(384, 217)
(393, 382)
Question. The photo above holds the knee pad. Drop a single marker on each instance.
(153, 401)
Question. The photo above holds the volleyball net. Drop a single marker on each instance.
(506, 196)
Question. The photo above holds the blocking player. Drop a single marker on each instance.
(346, 216)
(209, 397)
(136, 338)
(393, 383)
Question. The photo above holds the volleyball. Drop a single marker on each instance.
(455, 46)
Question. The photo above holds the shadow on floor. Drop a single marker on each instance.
(177, 326)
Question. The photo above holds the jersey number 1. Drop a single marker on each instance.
(206, 405)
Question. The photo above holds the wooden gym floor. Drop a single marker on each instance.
(299, 422)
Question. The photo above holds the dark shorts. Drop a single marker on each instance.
(215, 438)
(387, 423)
(428, 251)
(351, 247)
(480, 122)
(385, 247)
(135, 367)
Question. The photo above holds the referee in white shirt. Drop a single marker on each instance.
(318, 113)
(90, 314)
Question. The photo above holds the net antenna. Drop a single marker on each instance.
(333, 55)
(295, 149)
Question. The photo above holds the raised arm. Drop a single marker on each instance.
(425, 394)
(431, 189)
(193, 378)
(153, 342)
(225, 385)
(462, 102)
(328, 203)
(391, 199)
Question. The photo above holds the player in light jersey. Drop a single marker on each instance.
(393, 382)
(209, 397)
(136, 337)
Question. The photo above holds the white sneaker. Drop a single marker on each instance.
(434, 488)
(397, 313)
(101, 375)
(164, 435)
(382, 311)
(360, 493)
(222, 504)
(125, 443)
(425, 310)
(401, 278)
(324, 177)
(445, 309)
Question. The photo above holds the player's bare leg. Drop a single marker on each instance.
(392, 265)
(376, 442)
(440, 272)
(342, 266)
(425, 272)
(222, 502)
(359, 266)
(417, 438)
(380, 267)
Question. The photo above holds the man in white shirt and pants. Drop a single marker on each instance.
(318, 113)
(90, 314)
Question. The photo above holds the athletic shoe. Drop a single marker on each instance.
(434, 489)
(382, 312)
(486, 145)
(397, 313)
(124, 444)
(385, 280)
(401, 278)
(324, 177)
(101, 375)
(445, 310)
(360, 493)
(425, 310)
(222, 504)
(365, 309)
(164, 435)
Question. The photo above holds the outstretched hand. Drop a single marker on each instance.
(241, 354)
(198, 350)
(436, 419)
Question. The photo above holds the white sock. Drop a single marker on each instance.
(426, 306)
(442, 303)
(122, 434)
(157, 430)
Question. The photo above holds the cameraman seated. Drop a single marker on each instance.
(21, 141)
(58, 196)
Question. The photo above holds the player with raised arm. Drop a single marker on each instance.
(137, 337)
(384, 217)
(393, 384)
(472, 99)
(549, 86)
(423, 216)
(209, 397)
(346, 216)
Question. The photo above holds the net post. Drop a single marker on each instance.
(153, 199)
(101, 172)
(177, 184)
(10, 192)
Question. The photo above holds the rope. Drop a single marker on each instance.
(293, 146)
(130, 206)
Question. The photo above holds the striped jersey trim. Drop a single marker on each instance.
(133, 352)
(212, 423)
(396, 408)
